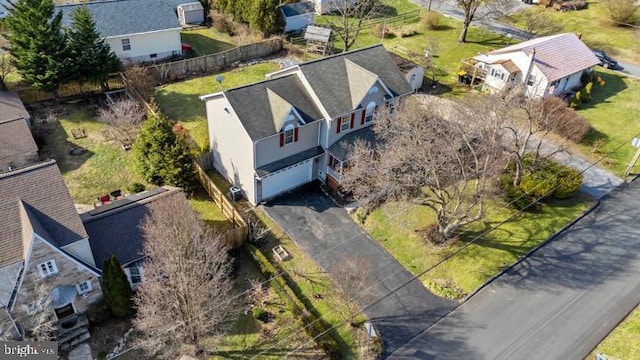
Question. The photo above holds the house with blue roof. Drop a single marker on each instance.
(136, 30)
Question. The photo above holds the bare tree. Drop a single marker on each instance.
(538, 22)
(352, 15)
(37, 321)
(484, 8)
(6, 68)
(186, 293)
(140, 80)
(422, 157)
(125, 117)
(353, 285)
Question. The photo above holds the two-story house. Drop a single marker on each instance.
(17, 147)
(295, 127)
(548, 65)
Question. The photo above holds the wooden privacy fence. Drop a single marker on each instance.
(404, 17)
(214, 62)
(237, 236)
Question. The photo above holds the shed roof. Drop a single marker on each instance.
(193, 6)
(43, 193)
(117, 229)
(124, 17)
(557, 56)
(317, 33)
(300, 8)
(257, 105)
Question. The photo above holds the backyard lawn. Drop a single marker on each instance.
(207, 41)
(622, 341)
(613, 115)
(180, 101)
(397, 226)
(598, 32)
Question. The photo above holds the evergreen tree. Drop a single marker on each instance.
(116, 289)
(160, 156)
(93, 59)
(38, 44)
(265, 17)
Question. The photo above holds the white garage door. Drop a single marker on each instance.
(286, 179)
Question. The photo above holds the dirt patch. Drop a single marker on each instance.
(105, 336)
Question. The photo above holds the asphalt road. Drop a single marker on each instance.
(558, 303)
(328, 235)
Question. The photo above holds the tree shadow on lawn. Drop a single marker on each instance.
(497, 41)
(613, 84)
(182, 107)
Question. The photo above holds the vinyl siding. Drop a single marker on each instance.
(164, 43)
(269, 150)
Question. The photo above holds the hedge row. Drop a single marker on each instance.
(317, 330)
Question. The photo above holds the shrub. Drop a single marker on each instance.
(221, 23)
(361, 215)
(136, 187)
(405, 31)
(564, 120)
(431, 20)
(538, 184)
(260, 314)
(620, 11)
(116, 289)
(380, 30)
(514, 196)
(98, 312)
(568, 181)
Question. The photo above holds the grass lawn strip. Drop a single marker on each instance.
(397, 227)
(207, 41)
(180, 101)
(622, 342)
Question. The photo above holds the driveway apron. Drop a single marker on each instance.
(398, 307)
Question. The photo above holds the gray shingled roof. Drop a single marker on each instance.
(251, 104)
(43, 192)
(329, 79)
(122, 17)
(300, 8)
(11, 107)
(117, 230)
(15, 139)
(556, 56)
(341, 149)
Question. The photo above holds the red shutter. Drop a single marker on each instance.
(353, 116)
(387, 104)
(281, 139)
(330, 160)
(295, 134)
(376, 110)
(338, 128)
(362, 117)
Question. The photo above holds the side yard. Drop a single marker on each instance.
(397, 227)
(617, 344)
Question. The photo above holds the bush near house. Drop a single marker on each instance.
(116, 289)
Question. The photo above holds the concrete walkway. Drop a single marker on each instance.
(399, 308)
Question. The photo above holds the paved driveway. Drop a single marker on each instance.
(558, 303)
(325, 232)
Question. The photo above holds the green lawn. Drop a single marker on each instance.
(613, 114)
(396, 227)
(622, 341)
(207, 41)
(180, 101)
(621, 42)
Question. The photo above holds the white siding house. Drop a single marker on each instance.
(550, 65)
(136, 30)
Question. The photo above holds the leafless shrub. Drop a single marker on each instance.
(431, 20)
(620, 11)
(141, 81)
(125, 117)
(352, 278)
(537, 22)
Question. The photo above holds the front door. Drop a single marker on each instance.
(65, 311)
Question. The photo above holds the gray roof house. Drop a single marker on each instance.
(295, 127)
(548, 65)
(17, 147)
(136, 30)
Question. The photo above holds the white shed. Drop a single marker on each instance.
(412, 72)
(298, 16)
(190, 13)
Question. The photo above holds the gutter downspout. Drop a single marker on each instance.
(529, 70)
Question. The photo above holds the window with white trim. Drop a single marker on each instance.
(126, 44)
(370, 111)
(84, 287)
(345, 123)
(134, 274)
(47, 268)
(288, 134)
(531, 80)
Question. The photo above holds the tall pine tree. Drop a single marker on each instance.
(38, 44)
(92, 57)
(160, 156)
(265, 17)
(116, 289)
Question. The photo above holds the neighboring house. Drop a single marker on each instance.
(190, 13)
(413, 73)
(44, 248)
(136, 30)
(298, 16)
(4, 11)
(295, 127)
(549, 65)
(51, 256)
(115, 229)
(17, 147)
